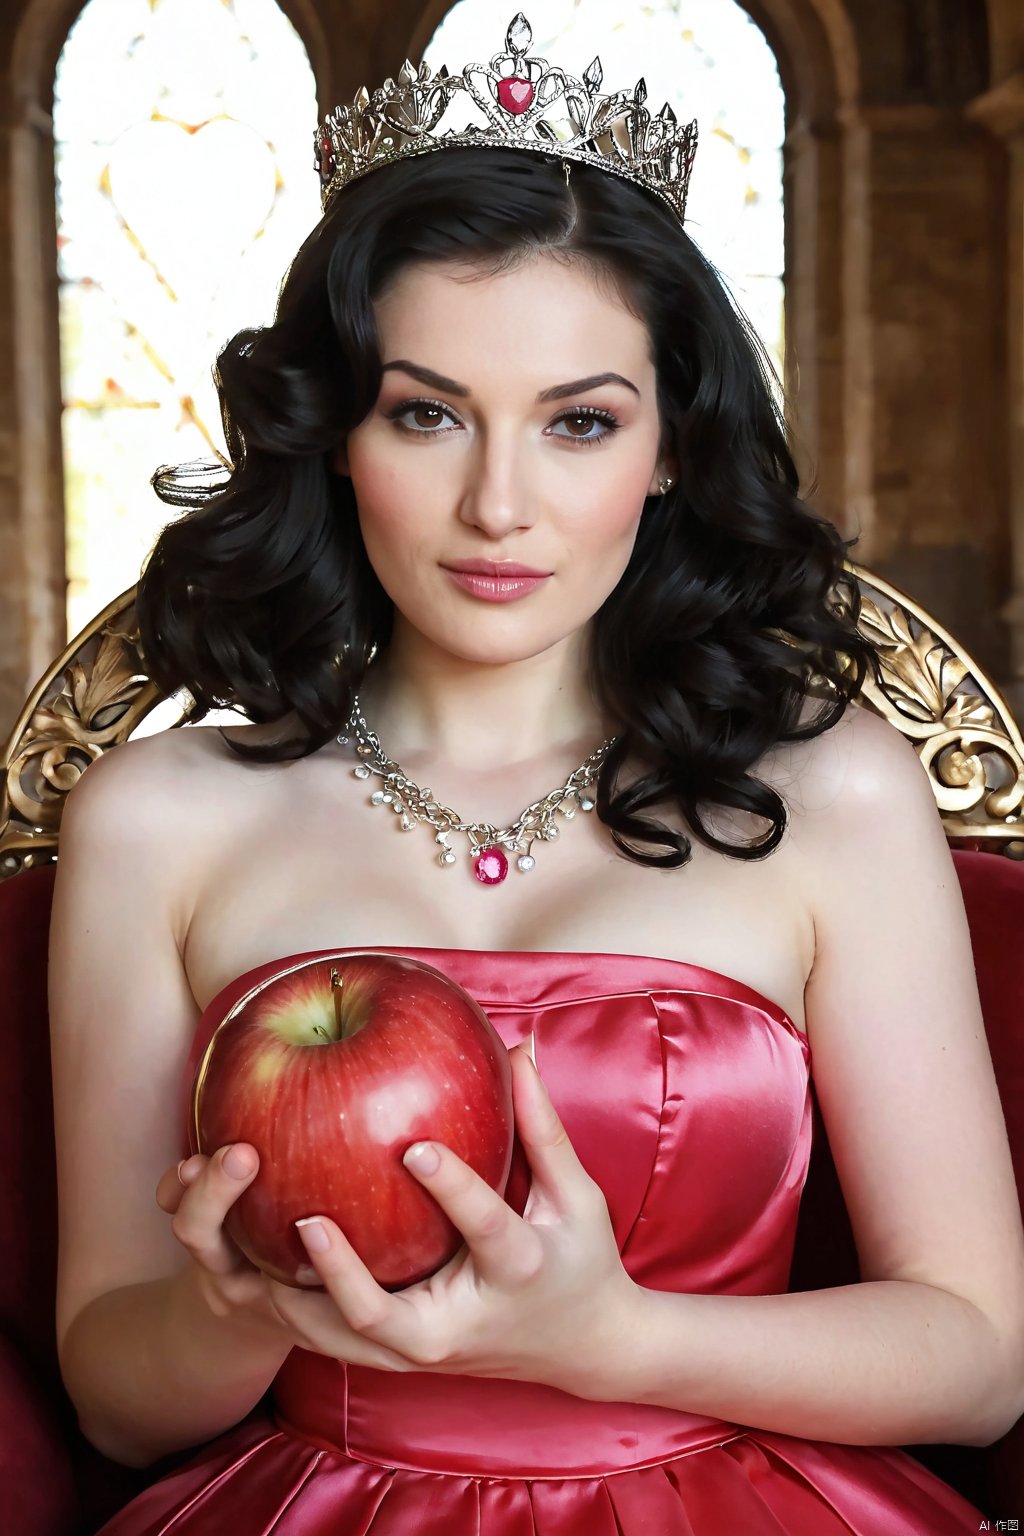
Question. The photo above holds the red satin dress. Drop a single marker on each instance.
(686, 1096)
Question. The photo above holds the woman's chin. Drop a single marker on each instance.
(499, 650)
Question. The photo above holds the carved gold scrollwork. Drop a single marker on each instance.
(92, 699)
(959, 723)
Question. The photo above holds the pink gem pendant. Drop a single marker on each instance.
(490, 866)
(515, 94)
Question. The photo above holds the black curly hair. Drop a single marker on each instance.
(735, 608)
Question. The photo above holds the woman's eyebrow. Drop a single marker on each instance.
(556, 392)
(579, 386)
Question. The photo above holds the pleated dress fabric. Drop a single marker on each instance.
(687, 1097)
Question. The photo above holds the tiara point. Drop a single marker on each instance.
(519, 35)
(593, 75)
(407, 74)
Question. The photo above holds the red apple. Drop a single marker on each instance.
(331, 1069)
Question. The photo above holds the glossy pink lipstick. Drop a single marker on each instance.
(496, 581)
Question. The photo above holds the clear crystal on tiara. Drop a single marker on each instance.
(516, 102)
(519, 35)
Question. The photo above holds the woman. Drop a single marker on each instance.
(510, 499)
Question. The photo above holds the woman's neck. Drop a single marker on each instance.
(432, 708)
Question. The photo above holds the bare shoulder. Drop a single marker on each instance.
(168, 799)
(862, 767)
(150, 779)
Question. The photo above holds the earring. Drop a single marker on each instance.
(665, 485)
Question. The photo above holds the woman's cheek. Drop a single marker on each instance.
(390, 498)
(614, 513)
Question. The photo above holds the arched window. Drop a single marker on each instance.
(183, 134)
(710, 62)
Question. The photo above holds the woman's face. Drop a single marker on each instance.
(516, 429)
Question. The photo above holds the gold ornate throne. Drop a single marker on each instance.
(97, 693)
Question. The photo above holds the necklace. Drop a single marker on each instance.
(489, 846)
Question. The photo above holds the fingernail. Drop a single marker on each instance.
(422, 1157)
(186, 1171)
(238, 1164)
(313, 1234)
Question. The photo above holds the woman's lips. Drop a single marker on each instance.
(496, 589)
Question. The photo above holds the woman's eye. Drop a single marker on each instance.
(581, 426)
(427, 418)
(420, 417)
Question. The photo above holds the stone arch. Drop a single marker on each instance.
(813, 41)
(32, 622)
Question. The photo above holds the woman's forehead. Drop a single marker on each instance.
(540, 316)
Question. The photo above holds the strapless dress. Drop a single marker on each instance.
(687, 1097)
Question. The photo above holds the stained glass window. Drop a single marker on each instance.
(709, 60)
(185, 185)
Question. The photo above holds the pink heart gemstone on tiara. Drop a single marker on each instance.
(515, 94)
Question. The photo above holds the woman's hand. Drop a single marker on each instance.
(197, 1195)
(539, 1297)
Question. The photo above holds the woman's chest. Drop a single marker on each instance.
(311, 876)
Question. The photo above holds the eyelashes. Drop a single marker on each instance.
(578, 413)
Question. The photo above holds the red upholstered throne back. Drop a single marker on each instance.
(52, 1481)
(62, 1486)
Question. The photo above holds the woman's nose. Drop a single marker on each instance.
(496, 498)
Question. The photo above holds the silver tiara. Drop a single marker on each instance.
(515, 102)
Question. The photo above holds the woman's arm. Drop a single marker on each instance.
(887, 1362)
(151, 1370)
(147, 1365)
(930, 1346)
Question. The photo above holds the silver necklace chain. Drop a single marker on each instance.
(489, 846)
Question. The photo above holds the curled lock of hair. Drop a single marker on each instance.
(734, 611)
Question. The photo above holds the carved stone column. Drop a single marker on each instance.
(1002, 111)
(924, 360)
(814, 313)
(32, 576)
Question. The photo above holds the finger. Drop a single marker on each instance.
(198, 1223)
(368, 1312)
(174, 1182)
(504, 1248)
(558, 1174)
(317, 1321)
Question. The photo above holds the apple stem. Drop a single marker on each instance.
(336, 985)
